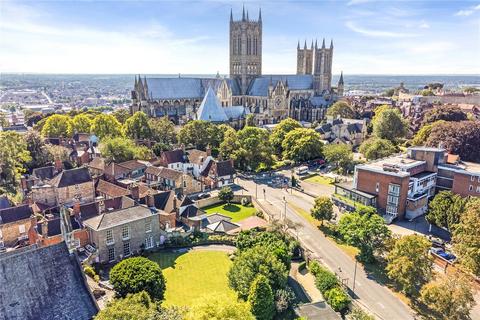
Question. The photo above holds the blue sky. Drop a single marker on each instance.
(370, 37)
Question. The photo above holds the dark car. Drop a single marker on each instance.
(203, 195)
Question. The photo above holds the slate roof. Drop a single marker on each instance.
(186, 202)
(17, 213)
(259, 86)
(118, 217)
(327, 127)
(354, 128)
(44, 173)
(224, 168)
(115, 169)
(196, 156)
(44, 283)
(173, 156)
(235, 112)
(168, 173)
(111, 190)
(222, 226)
(97, 163)
(190, 211)
(210, 108)
(71, 177)
(216, 217)
(165, 201)
(133, 164)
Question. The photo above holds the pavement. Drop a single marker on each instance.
(377, 299)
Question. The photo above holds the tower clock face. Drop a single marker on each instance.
(278, 102)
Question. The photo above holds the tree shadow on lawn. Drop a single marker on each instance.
(166, 259)
(231, 208)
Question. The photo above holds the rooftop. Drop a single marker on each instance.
(115, 218)
(397, 165)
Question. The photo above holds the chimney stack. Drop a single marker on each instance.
(76, 209)
(45, 229)
(135, 191)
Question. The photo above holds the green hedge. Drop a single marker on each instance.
(337, 299)
(325, 280)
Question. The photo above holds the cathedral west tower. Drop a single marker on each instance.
(245, 49)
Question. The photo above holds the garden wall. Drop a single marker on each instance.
(237, 198)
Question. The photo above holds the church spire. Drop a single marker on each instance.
(260, 15)
(323, 43)
(340, 81)
(311, 47)
(331, 44)
(243, 13)
(316, 46)
(248, 19)
(305, 45)
(231, 15)
(298, 48)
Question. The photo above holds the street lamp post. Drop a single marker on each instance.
(285, 210)
(354, 277)
(256, 187)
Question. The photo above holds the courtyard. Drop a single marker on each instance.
(235, 211)
(193, 274)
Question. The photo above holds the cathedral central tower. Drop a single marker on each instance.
(245, 49)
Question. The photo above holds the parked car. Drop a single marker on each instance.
(436, 242)
(203, 195)
(445, 255)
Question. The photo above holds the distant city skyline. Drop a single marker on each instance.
(148, 37)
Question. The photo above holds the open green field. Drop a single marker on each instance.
(194, 274)
(234, 210)
(320, 180)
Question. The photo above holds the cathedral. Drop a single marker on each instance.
(303, 96)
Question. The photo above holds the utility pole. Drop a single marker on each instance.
(256, 187)
(354, 277)
(285, 211)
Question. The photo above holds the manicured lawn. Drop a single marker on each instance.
(320, 180)
(194, 274)
(235, 211)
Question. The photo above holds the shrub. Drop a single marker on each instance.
(325, 280)
(284, 299)
(261, 299)
(89, 271)
(137, 274)
(337, 299)
(314, 267)
(260, 214)
(244, 202)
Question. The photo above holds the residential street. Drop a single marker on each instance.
(375, 297)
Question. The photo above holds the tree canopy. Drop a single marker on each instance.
(106, 125)
(137, 126)
(302, 144)
(445, 209)
(163, 131)
(261, 299)
(201, 134)
(322, 209)
(340, 155)
(342, 109)
(376, 148)
(219, 308)
(450, 297)
(444, 112)
(81, 123)
(56, 126)
(230, 144)
(466, 239)
(458, 138)
(121, 115)
(254, 149)
(280, 131)
(422, 135)
(121, 149)
(13, 156)
(390, 125)
(409, 263)
(37, 148)
(138, 274)
(368, 232)
(252, 262)
(226, 194)
(137, 306)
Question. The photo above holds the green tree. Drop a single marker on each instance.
(195, 133)
(13, 156)
(230, 144)
(254, 148)
(337, 299)
(367, 232)
(261, 299)
(379, 110)
(37, 148)
(445, 209)
(322, 209)
(375, 148)
(121, 115)
(450, 297)
(301, 145)
(465, 237)
(3, 120)
(358, 314)
(409, 264)
(252, 262)
(56, 126)
(120, 149)
(80, 123)
(446, 113)
(138, 274)
(250, 120)
(390, 125)
(106, 125)
(324, 279)
(163, 131)
(422, 135)
(427, 92)
(137, 126)
(341, 109)
(226, 194)
(219, 308)
(137, 306)
(340, 155)
(280, 131)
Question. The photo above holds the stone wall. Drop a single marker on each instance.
(11, 231)
(237, 198)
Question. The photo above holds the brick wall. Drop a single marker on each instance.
(11, 231)
(367, 180)
(462, 183)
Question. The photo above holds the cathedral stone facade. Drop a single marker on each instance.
(303, 96)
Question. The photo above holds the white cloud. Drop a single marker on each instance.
(355, 2)
(377, 33)
(468, 12)
(424, 25)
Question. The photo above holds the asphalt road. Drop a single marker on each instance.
(378, 299)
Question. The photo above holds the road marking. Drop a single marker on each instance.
(381, 305)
